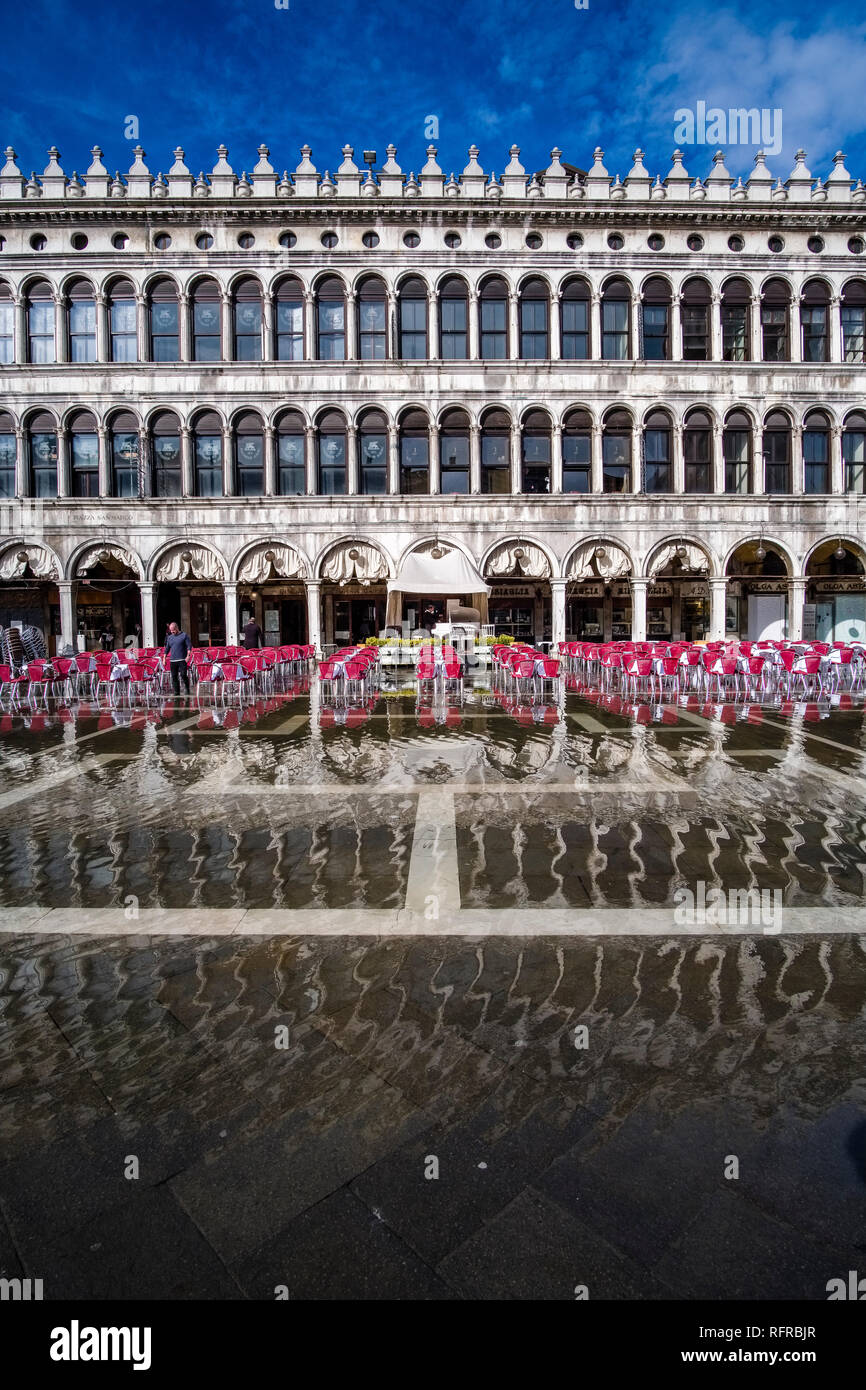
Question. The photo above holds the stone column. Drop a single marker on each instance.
(101, 306)
(555, 347)
(678, 460)
(148, 614)
(757, 344)
(314, 615)
(187, 476)
(312, 461)
(596, 469)
(230, 593)
(473, 311)
(68, 625)
(676, 330)
(717, 459)
(638, 609)
(142, 328)
(516, 460)
(474, 458)
(834, 328)
(268, 341)
(757, 459)
(62, 463)
(21, 345)
(435, 462)
(227, 352)
(715, 328)
(798, 468)
(228, 462)
(837, 467)
(309, 326)
(104, 461)
(393, 459)
(796, 598)
(718, 593)
(184, 327)
(796, 330)
(636, 310)
(433, 328)
(270, 461)
(556, 460)
(595, 328)
(352, 461)
(557, 594)
(351, 329)
(61, 328)
(392, 332)
(636, 481)
(513, 327)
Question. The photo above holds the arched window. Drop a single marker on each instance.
(206, 326)
(816, 452)
(453, 320)
(535, 461)
(697, 451)
(332, 454)
(413, 319)
(372, 320)
(43, 455)
(454, 452)
(373, 454)
(853, 311)
(414, 453)
(208, 455)
(616, 451)
(290, 321)
(248, 322)
(615, 311)
(737, 450)
(166, 455)
(736, 330)
(815, 321)
(250, 456)
(777, 453)
(493, 309)
(123, 324)
(7, 326)
(854, 452)
(695, 313)
(533, 321)
(164, 329)
(84, 455)
(656, 320)
(775, 310)
(125, 450)
(40, 324)
(82, 322)
(577, 451)
(331, 321)
(495, 452)
(574, 321)
(291, 454)
(8, 455)
(658, 465)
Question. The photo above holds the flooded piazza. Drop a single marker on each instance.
(580, 952)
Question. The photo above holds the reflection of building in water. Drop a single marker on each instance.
(631, 408)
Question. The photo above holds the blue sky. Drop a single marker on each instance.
(365, 72)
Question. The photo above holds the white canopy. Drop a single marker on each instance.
(439, 570)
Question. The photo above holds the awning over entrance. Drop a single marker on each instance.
(439, 570)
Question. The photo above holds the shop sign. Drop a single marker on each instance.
(589, 590)
(660, 591)
(621, 590)
(767, 586)
(840, 586)
(511, 591)
(694, 588)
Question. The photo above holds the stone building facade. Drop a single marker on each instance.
(635, 406)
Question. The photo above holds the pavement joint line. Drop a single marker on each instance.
(51, 780)
(816, 738)
(434, 873)
(796, 922)
(594, 789)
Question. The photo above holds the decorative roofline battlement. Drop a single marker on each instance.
(558, 181)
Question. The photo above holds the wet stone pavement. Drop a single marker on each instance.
(412, 1005)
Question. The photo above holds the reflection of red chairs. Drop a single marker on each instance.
(327, 717)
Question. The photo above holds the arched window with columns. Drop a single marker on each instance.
(291, 455)
(125, 450)
(208, 454)
(777, 453)
(331, 320)
(84, 455)
(81, 322)
(737, 450)
(43, 451)
(164, 322)
(331, 439)
(854, 452)
(7, 327)
(40, 323)
(414, 453)
(454, 452)
(453, 320)
(206, 322)
(736, 320)
(535, 460)
(249, 440)
(495, 451)
(290, 320)
(412, 317)
(656, 320)
(493, 317)
(8, 455)
(577, 451)
(616, 451)
(815, 321)
(615, 321)
(166, 453)
(698, 452)
(776, 321)
(534, 310)
(816, 452)
(122, 322)
(574, 321)
(853, 315)
(372, 320)
(658, 452)
(695, 317)
(373, 454)
(247, 316)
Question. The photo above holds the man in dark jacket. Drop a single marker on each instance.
(252, 635)
(177, 649)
